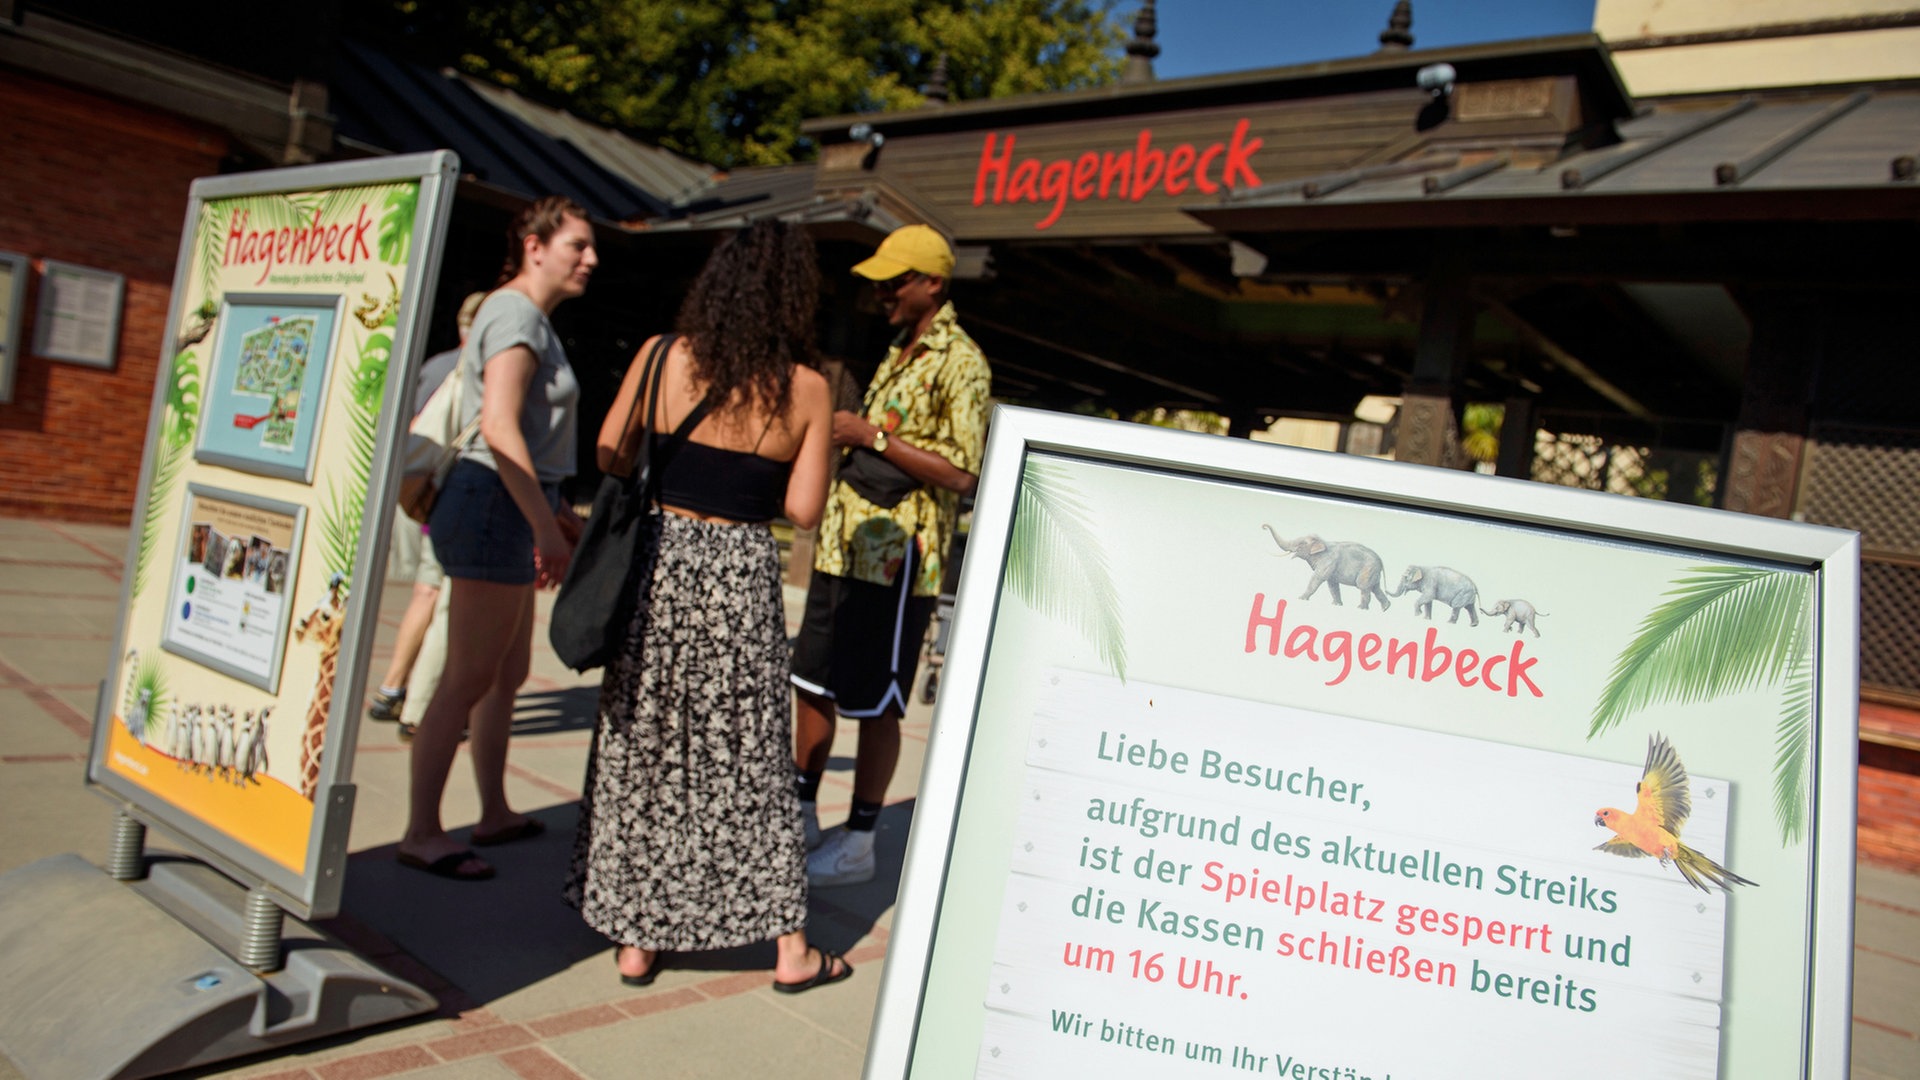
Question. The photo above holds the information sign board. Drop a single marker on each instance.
(299, 311)
(230, 580)
(14, 269)
(79, 319)
(1266, 761)
(267, 350)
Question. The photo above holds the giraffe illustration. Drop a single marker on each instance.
(322, 627)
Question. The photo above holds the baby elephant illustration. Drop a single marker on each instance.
(1442, 583)
(1519, 613)
(1336, 563)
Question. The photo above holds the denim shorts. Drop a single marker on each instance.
(478, 531)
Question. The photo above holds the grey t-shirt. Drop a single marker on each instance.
(550, 419)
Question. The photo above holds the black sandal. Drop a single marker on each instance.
(823, 977)
(447, 866)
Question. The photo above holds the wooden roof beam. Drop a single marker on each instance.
(1571, 363)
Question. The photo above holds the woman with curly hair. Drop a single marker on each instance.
(690, 835)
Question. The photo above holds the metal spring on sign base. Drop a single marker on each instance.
(260, 947)
(127, 858)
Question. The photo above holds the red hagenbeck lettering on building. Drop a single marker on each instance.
(1130, 174)
(1421, 659)
(304, 245)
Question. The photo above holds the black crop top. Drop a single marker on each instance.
(732, 484)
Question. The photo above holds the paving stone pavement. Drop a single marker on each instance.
(525, 989)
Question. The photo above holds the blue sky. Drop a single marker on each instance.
(1204, 37)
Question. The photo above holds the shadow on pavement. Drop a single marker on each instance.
(543, 712)
(488, 939)
(845, 915)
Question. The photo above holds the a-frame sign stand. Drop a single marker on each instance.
(299, 311)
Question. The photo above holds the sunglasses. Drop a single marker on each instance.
(894, 284)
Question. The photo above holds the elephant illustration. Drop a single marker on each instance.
(1335, 564)
(1442, 583)
(1519, 613)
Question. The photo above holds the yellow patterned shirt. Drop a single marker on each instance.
(936, 400)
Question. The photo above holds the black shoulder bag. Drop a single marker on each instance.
(610, 565)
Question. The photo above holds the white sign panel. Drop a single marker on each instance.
(1264, 761)
(230, 583)
(1186, 863)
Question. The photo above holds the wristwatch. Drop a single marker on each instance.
(879, 440)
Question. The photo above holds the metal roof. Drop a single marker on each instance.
(654, 170)
(786, 192)
(504, 140)
(1813, 155)
(259, 113)
(1583, 55)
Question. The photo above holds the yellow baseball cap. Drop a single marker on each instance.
(909, 247)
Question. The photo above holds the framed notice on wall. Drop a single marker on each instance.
(79, 319)
(1262, 760)
(13, 297)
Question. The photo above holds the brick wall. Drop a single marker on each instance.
(100, 183)
(1889, 832)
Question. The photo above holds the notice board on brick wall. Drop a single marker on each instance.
(1263, 761)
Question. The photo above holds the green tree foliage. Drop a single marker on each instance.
(728, 82)
(1480, 432)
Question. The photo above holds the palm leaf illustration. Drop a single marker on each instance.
(347, 491)
(1726, 629)
(213, 240)
(1055, 564)
(262, 214)
(179, 417)
(268, 213)
(396, 224)
(147, 676)
(1793, 736)
(337, 203)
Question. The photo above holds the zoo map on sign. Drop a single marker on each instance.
(273, 366)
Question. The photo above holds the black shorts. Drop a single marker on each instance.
(859, 643)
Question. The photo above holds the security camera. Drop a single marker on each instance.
(863, 132)
(1436, 79)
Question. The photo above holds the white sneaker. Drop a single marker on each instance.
(846, 858)
(810, 823)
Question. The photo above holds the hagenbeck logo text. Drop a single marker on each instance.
(278, 247)
(1125, 174)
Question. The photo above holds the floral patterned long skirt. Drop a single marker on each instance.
(690, 829)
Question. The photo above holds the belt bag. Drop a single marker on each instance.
(876, 479)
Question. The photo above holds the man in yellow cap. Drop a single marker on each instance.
(911, 453)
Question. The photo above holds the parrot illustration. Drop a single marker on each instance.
(1662, 807)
